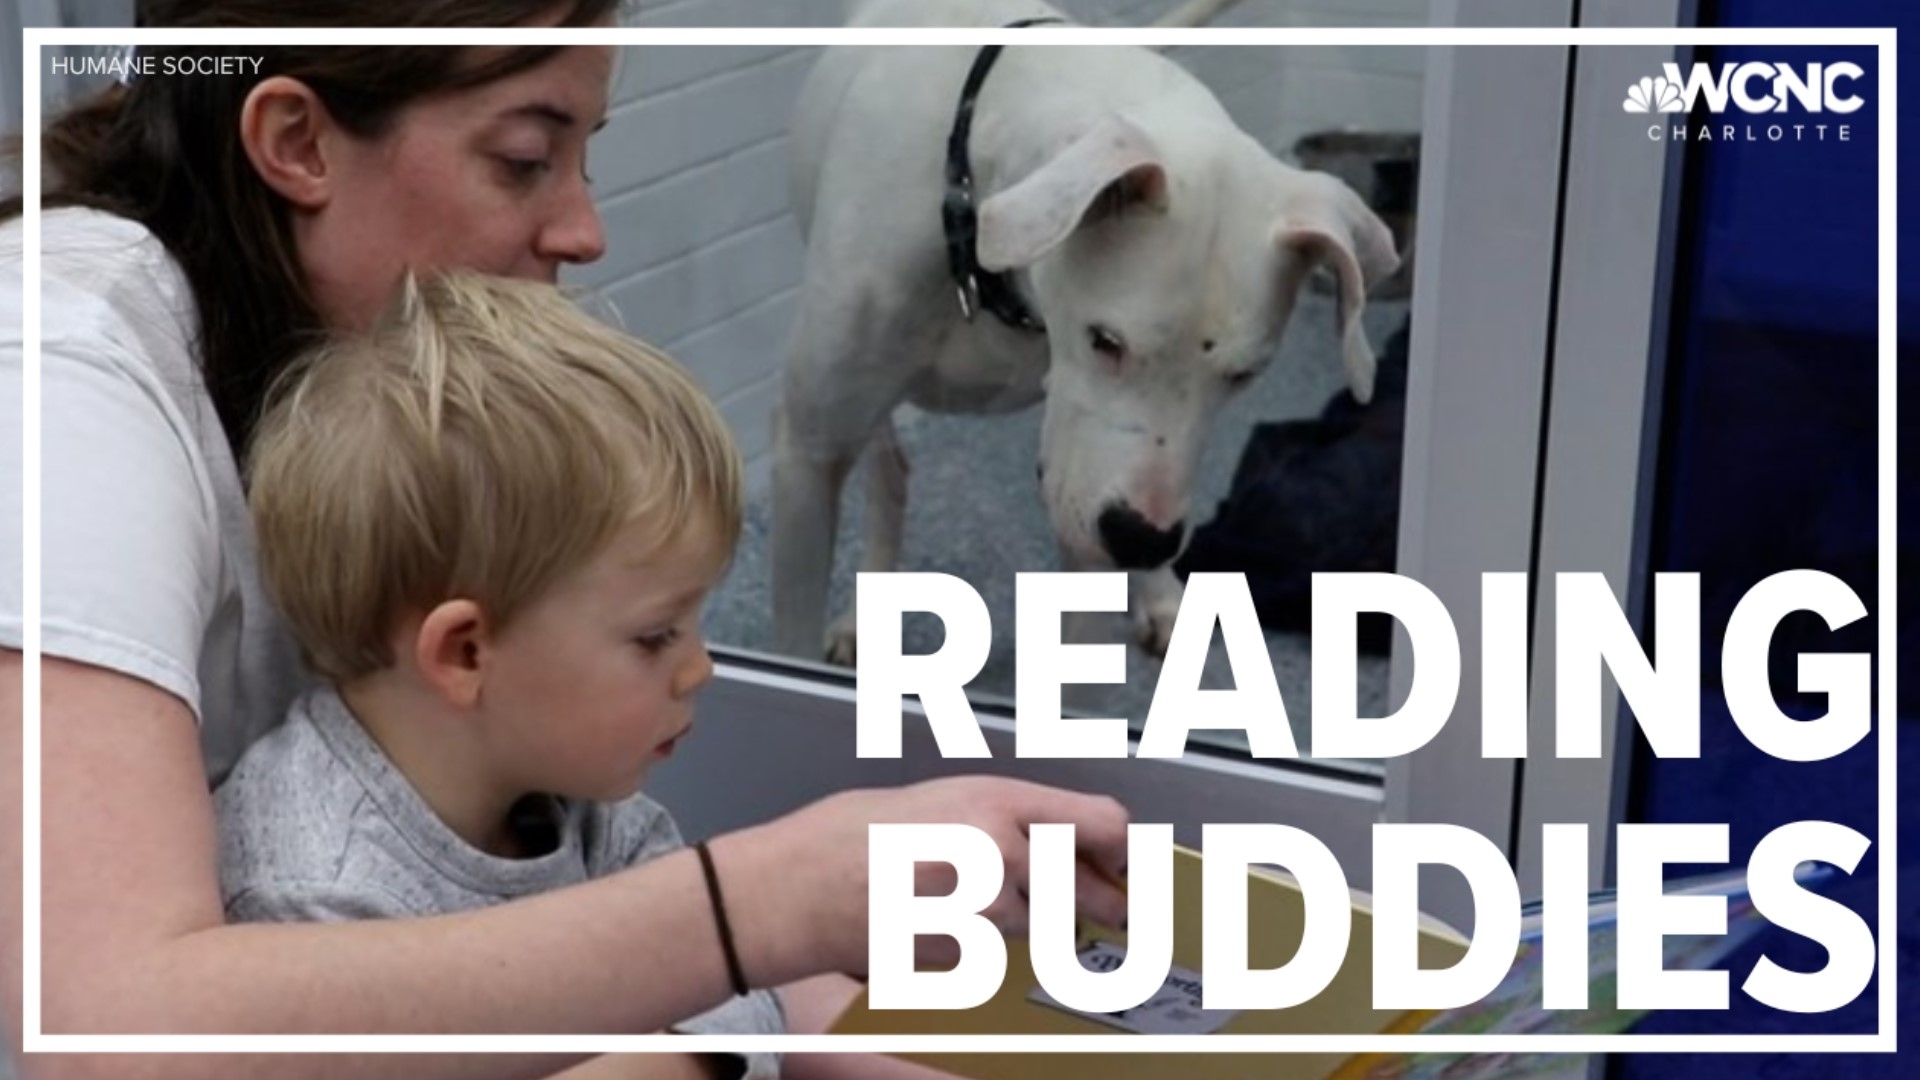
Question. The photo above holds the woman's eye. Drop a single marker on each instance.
(1106, 343)
(525, 170)
(658, 643)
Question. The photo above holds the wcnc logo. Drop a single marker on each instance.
(1754, 88)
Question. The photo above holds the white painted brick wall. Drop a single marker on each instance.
(703, 256)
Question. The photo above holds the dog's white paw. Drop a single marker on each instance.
(843, 640)
(1156, 603)
(1153, 628)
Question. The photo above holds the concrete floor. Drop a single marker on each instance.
(974, 511)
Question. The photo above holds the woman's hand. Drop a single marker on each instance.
(807, 872)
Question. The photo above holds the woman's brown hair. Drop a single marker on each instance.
(167, 153)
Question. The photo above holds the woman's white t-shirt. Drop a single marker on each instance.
(147, 558)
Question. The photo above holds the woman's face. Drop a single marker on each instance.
(492, 178)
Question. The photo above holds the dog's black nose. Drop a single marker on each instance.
(1134, 542)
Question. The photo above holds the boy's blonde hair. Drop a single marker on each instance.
(485, 438)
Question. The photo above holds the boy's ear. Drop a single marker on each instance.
(450, 651)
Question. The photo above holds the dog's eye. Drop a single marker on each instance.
(1237, 380)
(1106, 343)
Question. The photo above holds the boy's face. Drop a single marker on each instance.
(593, 683)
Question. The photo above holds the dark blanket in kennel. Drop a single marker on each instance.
(1314, 495)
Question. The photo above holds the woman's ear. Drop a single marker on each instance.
(450, 650)
(283, 126)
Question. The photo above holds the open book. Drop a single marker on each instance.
(1276, 916)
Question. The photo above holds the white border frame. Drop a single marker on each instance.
(1610, 354)
(35, 1041)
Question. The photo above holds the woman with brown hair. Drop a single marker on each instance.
(200, 231)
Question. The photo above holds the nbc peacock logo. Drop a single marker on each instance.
(1805, 103)
(1653, 94)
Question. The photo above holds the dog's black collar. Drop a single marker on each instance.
(977, 288)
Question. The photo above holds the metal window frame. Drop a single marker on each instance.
(1610, 355)
(1478, 387)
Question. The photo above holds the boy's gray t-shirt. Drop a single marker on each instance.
(316, 825)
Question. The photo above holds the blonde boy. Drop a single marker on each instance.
(491, 522)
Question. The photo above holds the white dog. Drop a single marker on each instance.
(1117, 206)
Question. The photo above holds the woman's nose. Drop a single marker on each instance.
(575, 235)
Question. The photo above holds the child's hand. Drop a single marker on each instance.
(816, 861)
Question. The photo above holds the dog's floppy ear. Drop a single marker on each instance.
(1112, 169)
(1326, 222)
